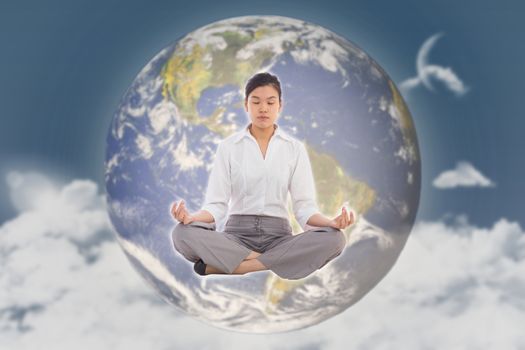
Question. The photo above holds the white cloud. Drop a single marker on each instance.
(30, 190)
(185, 157)
(426, 72)
(447, 76)
(65, 283)
(450, 283)
(464, 175)
(144, 145)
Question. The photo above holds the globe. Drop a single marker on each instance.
(338, 101)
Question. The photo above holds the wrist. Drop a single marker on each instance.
(319, 220)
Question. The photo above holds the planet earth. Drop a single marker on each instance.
(338, 101)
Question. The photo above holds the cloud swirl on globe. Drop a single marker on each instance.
(358, 132)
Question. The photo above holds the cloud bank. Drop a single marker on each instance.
(65, 283)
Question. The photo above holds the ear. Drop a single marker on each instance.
(246, 105)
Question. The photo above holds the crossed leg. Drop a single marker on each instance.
(221, 255)
(297, 256)
(293, 257)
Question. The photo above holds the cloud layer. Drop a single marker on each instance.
(65, 283)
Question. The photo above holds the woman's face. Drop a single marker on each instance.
(263, 106)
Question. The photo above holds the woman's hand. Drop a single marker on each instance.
(344, 220)
(181, 213)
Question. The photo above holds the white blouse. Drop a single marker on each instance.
(250, 184)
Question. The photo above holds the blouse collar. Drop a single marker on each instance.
(246, 133)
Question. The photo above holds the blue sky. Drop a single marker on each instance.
(64, 66)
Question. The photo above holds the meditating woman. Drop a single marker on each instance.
(252, 173)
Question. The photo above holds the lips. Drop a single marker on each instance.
(262, 117)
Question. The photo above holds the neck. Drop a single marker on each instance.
(262, 134)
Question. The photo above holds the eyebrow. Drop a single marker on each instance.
(267, 98)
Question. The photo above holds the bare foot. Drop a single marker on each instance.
(251, 265)
(252, 255)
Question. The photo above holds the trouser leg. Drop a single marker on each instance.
(297, 256)
(201, 240)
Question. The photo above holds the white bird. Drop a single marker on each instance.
(426, 71)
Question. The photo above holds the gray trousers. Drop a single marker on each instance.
(287, 255)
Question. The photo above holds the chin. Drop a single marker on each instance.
(263, 124)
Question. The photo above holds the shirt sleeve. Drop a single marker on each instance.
(302, 189)
(218, 191)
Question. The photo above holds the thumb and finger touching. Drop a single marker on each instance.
(178, 211)
(346, 218)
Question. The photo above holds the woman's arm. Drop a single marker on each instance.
(180, 213)
(302, 190)
(203, 216)
(319, 219)
(341, 221)
(218, 191)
